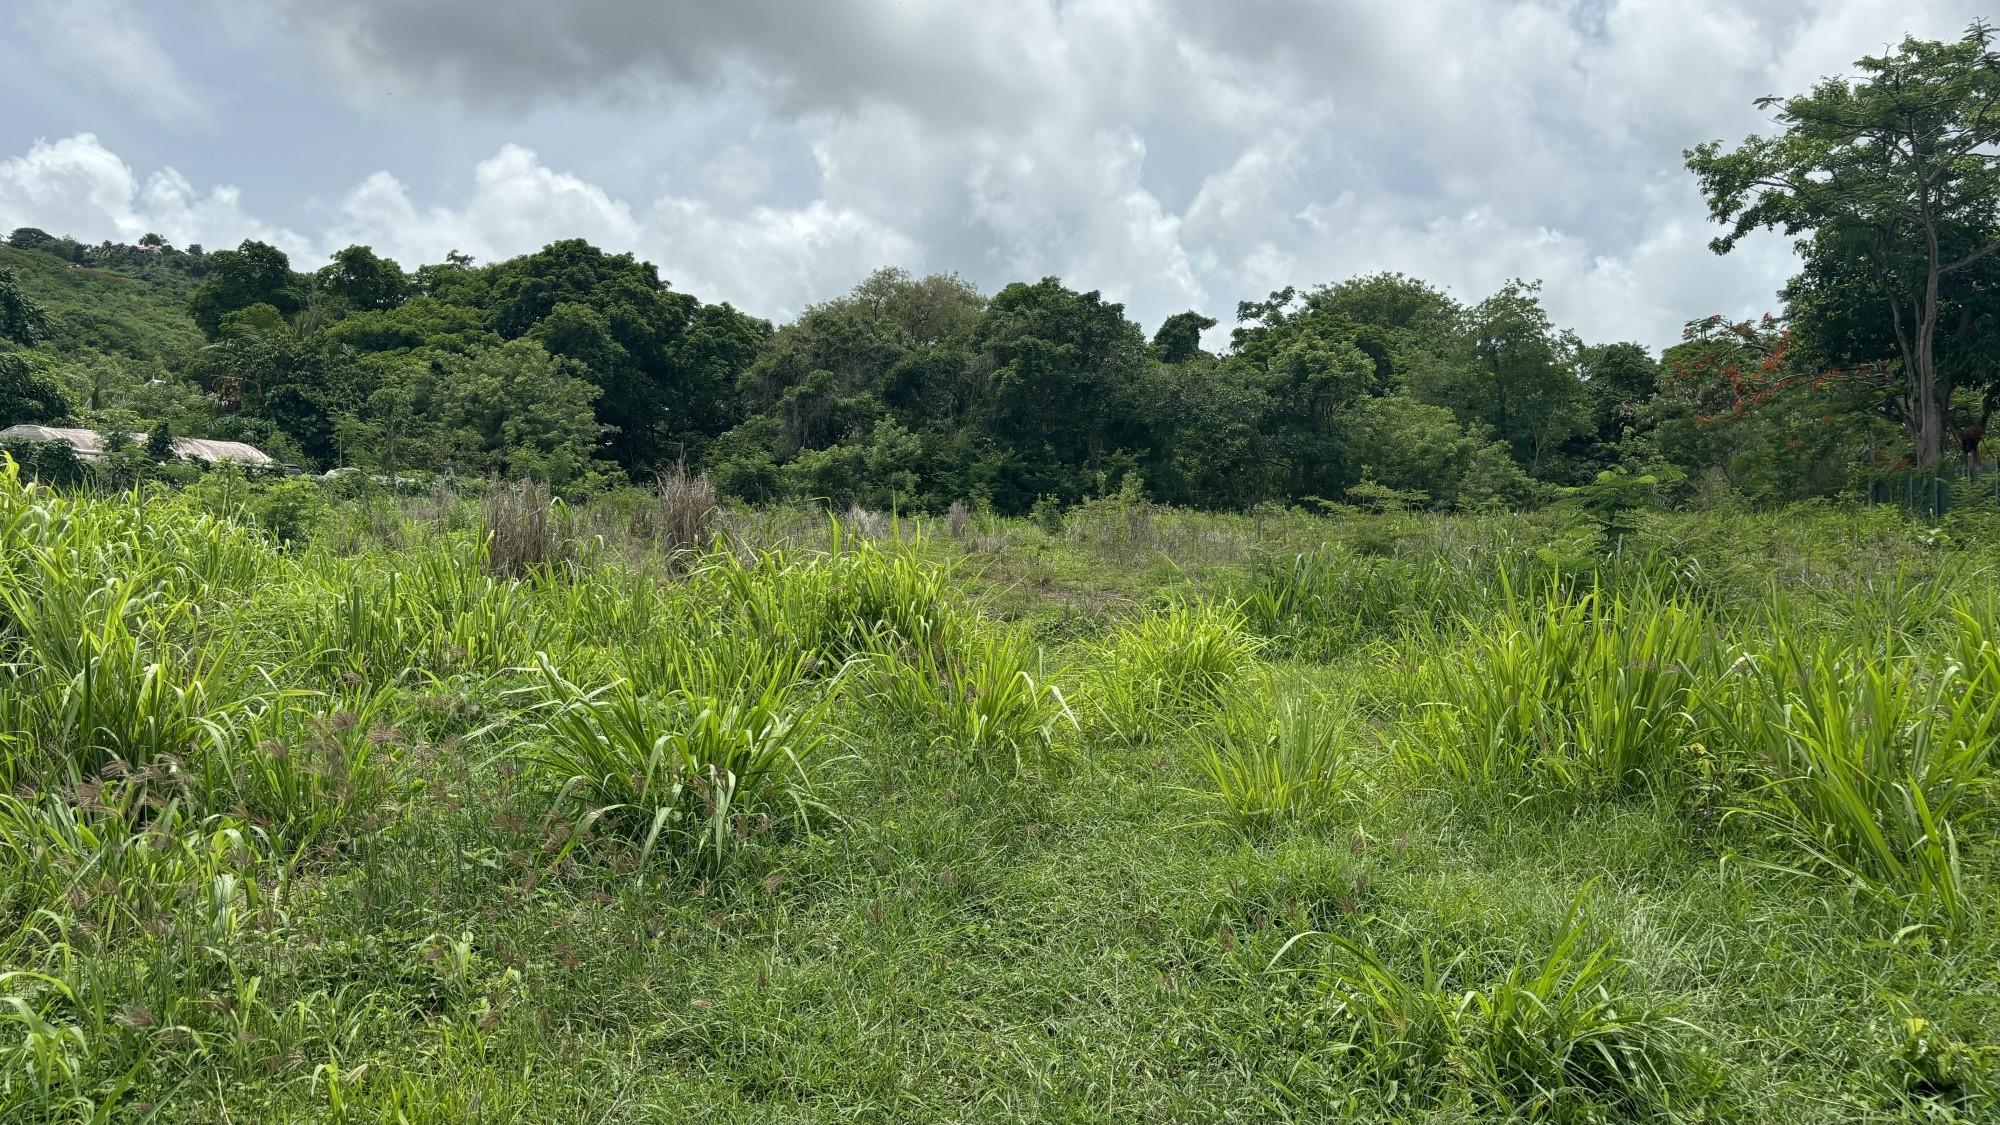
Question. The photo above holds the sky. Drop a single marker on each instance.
(1174, 154)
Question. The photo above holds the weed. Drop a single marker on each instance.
(986, 693)
(682, 518)
(1876, 764)
(1169, 666)
(690, 771)
(1271, 759)
(525, 531)
(1554, 1039)
(1583, 696)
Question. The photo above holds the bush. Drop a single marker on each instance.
(290, 510)
(51, 463)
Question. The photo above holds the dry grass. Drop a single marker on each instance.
(522, 532)
(684, 516)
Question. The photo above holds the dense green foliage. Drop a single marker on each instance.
(584, 370)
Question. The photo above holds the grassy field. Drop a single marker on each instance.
(462, 810)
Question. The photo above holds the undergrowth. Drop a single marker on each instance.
(455, 811)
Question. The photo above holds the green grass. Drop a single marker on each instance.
(1273, 757)
(1013, 826)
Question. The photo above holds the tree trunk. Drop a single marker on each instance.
(1927, 412)
(1927, 407)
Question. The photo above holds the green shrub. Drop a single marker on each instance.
(291, 511)
(51, 463)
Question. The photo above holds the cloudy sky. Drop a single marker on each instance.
(1172, 153)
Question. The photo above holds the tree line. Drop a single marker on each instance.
(585, 368)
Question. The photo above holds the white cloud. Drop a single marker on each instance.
(770, 261)
(77, 186)
(517, 205)
(108, 40)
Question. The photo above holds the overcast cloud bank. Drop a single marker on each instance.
(1174, 154)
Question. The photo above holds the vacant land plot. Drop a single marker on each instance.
(1136, 816)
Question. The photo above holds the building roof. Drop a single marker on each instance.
(89, 445)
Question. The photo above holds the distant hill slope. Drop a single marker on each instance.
(135, 313)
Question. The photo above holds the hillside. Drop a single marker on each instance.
(131, 312)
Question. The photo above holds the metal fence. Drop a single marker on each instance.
(1937, 491)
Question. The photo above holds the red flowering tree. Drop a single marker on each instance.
(1735, 397)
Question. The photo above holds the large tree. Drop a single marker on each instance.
(1898, 170)
(26, 395)
(1064, 367)
(254, 273)
(666, 363)
(364, 281)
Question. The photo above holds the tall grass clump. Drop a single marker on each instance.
(434, 612)
(307, 773)
(898, 619)
(1556, 1038)
(1272, 758)
(984, 690)
(1877, 766)
(119, 861)
(695, 770)
(857, 599)
(1590, 695)
(525, 531)
(1169, 666)
(1320, 601)
(123, 923)
(681, 520)
(109, 666)
(109, 637)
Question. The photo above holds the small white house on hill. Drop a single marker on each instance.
(89, 445)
